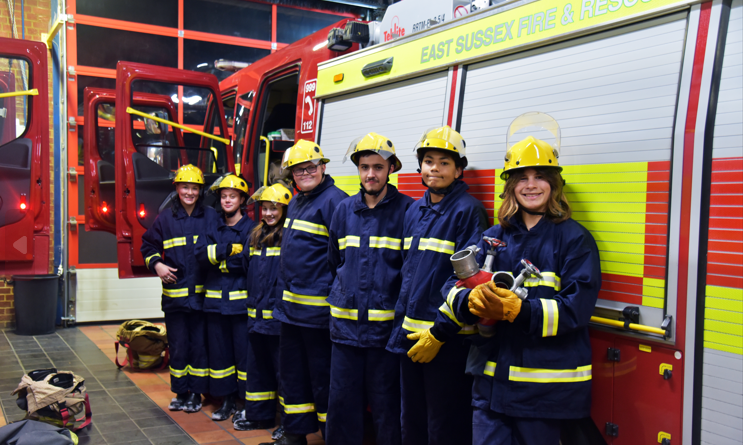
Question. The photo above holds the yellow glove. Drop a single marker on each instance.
(427, 347)
(489, 301)
(236, 248)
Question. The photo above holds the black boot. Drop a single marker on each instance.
(193, 403)
(239, 416)
(225, 411)
(278, 433)
(178, 402)
(247, 425)
(289, 439)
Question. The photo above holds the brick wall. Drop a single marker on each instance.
(37, 15)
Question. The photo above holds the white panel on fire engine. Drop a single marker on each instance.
(401, 111)
(102, 296)
(722, 372)
(614, 97)
(411, 16)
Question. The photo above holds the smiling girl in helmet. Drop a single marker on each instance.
(168, 248)
(226, 293)
(535, 370)
(261, 261)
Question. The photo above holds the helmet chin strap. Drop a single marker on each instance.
(444, 191)
(228, 215)
(531, 212)
(377, 193)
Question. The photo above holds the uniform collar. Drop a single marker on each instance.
(518, 223)
(449, 199)
(326, 183)
(197, 212)
(360, 204)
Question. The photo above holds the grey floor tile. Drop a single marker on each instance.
(149, 422)
(117, 436)
(132, 408)
(117, 384)
(144, 413)
(132, 399)
(173, 440)
(107, 409)
(163, 431)
(122, 425)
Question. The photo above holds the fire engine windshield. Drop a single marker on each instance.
(14, 98)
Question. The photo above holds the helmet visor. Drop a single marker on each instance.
(442, 138)
(539, 125)
(385, 154)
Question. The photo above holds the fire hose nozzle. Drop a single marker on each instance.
(528, 271)
(465, 263)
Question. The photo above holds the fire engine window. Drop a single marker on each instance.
(80, 149)
(105, 132)
(170, 147)
(294, 24)
(14, 78)
(236, 18)
(95, 82)
(160, 12)
(200, 56)
(104, 47)
(241, 125)
(96, 247)
(229, 109)
(277, 118)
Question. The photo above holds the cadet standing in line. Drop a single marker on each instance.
(435, 390)
(535, 370)
(226, 295)
(305, 347)
(168, 249)
(262, 263)
(365, 257)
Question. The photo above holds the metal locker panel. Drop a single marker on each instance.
(102, 295)
(401, 111)
(728, 140)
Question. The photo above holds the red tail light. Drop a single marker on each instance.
(104, 207)
(142, 213)
(23, 206)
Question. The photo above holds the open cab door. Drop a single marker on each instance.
(146, 162)
(24, 158)
(99, 139)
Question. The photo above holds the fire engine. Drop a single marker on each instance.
(649, 97)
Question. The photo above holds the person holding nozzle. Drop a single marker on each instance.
(535, 368)
(435, 390)
(219, 251)
(303, 310)
(262, 261)
(365, 256)
(168, 248)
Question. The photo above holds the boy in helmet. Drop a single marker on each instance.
(304, 313)
(168, 248)
(535, 370)
(226, 294)
(365, 255)
(435, 390)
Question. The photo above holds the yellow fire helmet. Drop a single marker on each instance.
(302, 151)
(530, 151)
(375, 143)
(441, 138)
(189, 173)
(231, 182)
(276, 193)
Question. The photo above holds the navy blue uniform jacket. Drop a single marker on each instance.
(539, 366)
(304, 263)
(265, 288)
(365, 255)
(226, 287)
(172, 240)
(432, 234)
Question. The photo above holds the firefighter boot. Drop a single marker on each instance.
(289, 439)
(193, 403)
(239, 416)
(178, 402)
(225, 411)
(278, 433)
(247, 425)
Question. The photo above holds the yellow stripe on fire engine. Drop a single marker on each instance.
(723, 319)
(481, 38)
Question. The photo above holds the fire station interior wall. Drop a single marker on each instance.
(101, 295)
(722, 370)
(401, 111)
(614, 97)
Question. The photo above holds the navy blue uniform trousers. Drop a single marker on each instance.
(189, 364)
(304, 361)
(491, 428)
(357, 375)
(436, 398)
(262, 385)
(228, 338)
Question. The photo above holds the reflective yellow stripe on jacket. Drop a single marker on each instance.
(242, 375)
(579, 374)
(270, 251)
(174, 242)
(383, 242)
(149, 258)
(223, 266)
(349, 241)
(297, 409)
(322, 417)
(466, 329)
(407, 243)
(211, 293)
(548, 279)
(258, 396)
(489, 368)
(211, 252)
(306, 226)
(221, 373)
(251, 312)
(349, 314)
(178, 373)
(238, 295)
(197, 372)
(175, 293)
(199, 288)
(381, 315)
(414, 325)
(550, 317)
(437, 245)
(308, 300)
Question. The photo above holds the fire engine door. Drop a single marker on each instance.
(98, 148)
(24, 157)
(147, 152)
